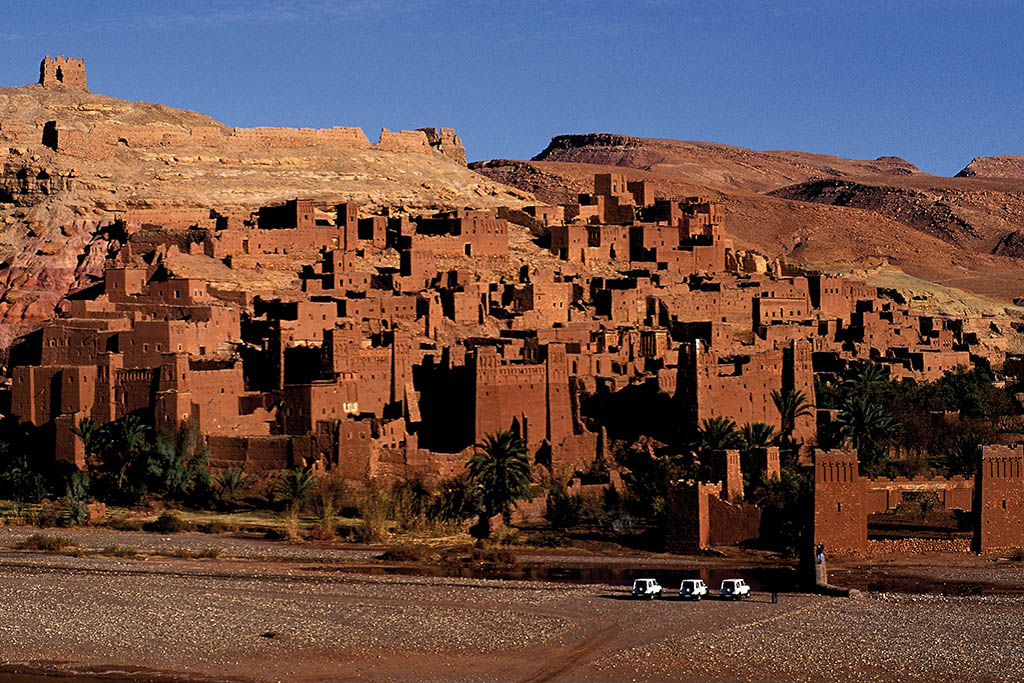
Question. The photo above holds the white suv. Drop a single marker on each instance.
(693, 589)
(646, 588)
(735, 589)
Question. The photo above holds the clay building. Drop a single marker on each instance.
(387, 345)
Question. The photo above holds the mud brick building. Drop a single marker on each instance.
(386, 345)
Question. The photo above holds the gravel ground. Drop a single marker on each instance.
(276, 622)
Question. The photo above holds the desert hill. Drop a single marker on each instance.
(817, 210)
(994, 167)
(726, 165)
(72, 161)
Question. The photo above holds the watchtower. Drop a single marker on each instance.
(840, 521)
(62, 71)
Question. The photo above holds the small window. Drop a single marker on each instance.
(839, 507)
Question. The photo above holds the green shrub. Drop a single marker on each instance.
(46, 543)
(120, 551)
(168, 523)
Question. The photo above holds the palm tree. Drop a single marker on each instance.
(231, 482)
(715, 434)
(129, 438)
(89, 433)
(501, 468)
(864, 425)
(177, 464)
(755, 435)
(718, 434)
(865, 376)
(962, 457)
(758, 435)
(294, 485)
(791, 405)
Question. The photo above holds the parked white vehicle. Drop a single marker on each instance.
(693, 589)
(646, 588)
(734, 589)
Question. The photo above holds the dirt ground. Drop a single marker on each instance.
(267, 612)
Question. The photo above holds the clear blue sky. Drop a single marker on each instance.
(934, 81)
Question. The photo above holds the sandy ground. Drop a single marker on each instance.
(260, 619)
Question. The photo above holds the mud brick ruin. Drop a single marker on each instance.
(392, 342)
(62, 71)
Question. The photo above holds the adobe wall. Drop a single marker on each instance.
(882, 494)
(265, 137)
(403, 141)
(732, 523)
(1000, 499)
(688, 516)
(503, 393)
(840, 518)
(252, 454)
(740, 387)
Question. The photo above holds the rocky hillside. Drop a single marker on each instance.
(818, 210)
(170, 166)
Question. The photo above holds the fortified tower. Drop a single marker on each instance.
(62, 71)
(840, 521)
(999, 498)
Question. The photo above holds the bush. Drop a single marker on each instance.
(548, 540)
(120, 551)
(506, 536)
(373, 510)
(323, 531)
(125, 524)
(493, 556)
(563, 509)
(168, 523)
(45, 517)
(409, 552)
(46, 543)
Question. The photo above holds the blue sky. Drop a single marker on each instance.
(934, 81)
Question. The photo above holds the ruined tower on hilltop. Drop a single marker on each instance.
(62, 71)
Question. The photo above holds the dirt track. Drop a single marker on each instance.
(257, 620)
